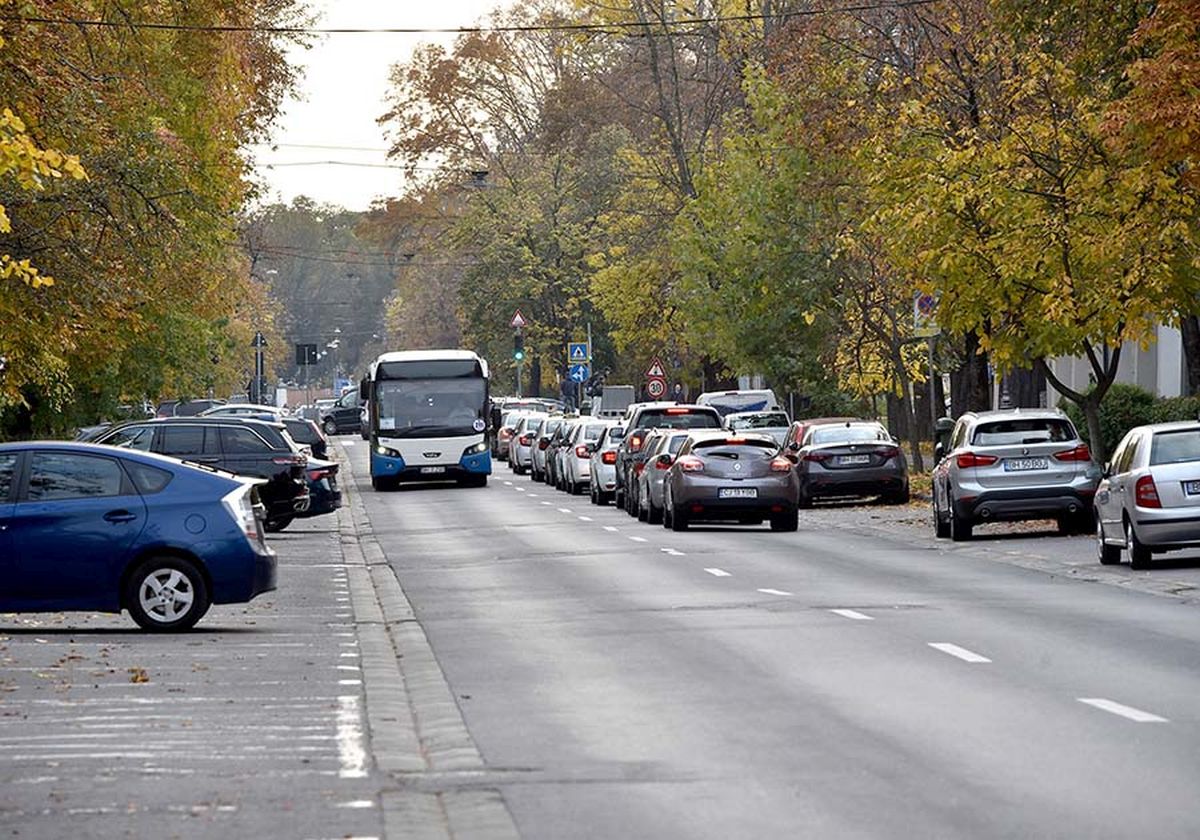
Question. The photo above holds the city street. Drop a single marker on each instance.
(571, 672)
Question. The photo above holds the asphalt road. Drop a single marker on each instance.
(852, 680)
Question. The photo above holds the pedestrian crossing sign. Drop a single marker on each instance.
(578, 352)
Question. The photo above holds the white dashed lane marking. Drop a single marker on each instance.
(564, 510)
(672, 552)
(854, 615)
(959, 652)
(586, 519)
(638, 539)
(1136, 715)
(718, 572)
(610, 528)
(774, 592)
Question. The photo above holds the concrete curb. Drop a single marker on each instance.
(417, 733)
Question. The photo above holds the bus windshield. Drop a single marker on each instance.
(431, 407)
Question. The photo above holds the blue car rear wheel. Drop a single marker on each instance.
(166, 594)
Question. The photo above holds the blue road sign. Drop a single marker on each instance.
(578, 352)
(579, 373)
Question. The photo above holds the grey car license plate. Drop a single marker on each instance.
(1023, 464)
(850, 460)
(1191, 488)
(432, 470)
(737, 493)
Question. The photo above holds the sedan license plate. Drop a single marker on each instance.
(848, 460)
(1191, 488)
(432, 470)
(1023, 464)
(737, 493)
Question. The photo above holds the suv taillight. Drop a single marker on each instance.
(544, 444)
(609, 457)
(525, 440)
(1079, 453)
(966, 460)
(1145, 493)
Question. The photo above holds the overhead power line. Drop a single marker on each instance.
(626, 26)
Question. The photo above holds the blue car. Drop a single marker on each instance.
(92, 527)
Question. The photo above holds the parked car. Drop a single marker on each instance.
(1011, 465)
(656, 415)
(344, 416)
(735, 476)
(307, 433)
(537, 468)
(185, 408)
(799, 428)
(1148, 500)
(728, 402)
(324, 495)
(87, 527)
(851, 459)
(660, 455)
(603, 463)
(520, 455)
(509, 418)
(575, 456)
(243, 446)
(554, 452)
(243, 410)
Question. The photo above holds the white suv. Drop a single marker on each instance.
(1011, 465)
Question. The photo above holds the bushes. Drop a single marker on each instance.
(1126, 406)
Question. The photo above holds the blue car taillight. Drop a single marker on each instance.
(240, 506)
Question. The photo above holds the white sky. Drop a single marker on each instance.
(342, 93)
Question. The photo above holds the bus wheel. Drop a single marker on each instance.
(380, 482)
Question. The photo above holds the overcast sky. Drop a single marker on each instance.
(342, 93)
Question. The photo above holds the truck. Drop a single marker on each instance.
(612, 401)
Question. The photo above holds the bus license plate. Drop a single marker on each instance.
(432, 470)
(737, 493)
(1022, 464)
(1191, 488)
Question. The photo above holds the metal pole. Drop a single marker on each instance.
(519, 364)
(933, 406)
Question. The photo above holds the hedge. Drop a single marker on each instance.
(1126, 406)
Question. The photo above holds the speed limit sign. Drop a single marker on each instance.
(656, 387)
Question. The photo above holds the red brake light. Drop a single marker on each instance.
(887, 451)
(505, 434)
(635, 443)
(780, 465)
(817, 456)
(1079, 453)
(1146, 493)
(609, 457)
(662, 463)
(690, 463)
(679, 411)
(639, 467)
(966, 460)
(581, 452)
(524, 440)
(734, 441)
(544, 443)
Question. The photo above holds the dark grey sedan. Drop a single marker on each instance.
(851, 459)
(729, 476)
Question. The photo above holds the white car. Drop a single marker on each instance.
(575, 456)
(520, 446)
(602, 463)
(1149, 498)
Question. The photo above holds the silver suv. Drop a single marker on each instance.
(1011, 465)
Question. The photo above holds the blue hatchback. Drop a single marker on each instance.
(91, 527)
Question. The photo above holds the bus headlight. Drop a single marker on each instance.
(477, 449)
(386, 452)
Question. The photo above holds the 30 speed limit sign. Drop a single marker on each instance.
(656, 387)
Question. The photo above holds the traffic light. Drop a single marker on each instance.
(518, 347)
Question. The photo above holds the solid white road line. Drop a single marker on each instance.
(1124, 711)
(852, 614)
(610, 528)
(774, 592)
(718, 573)
(586, 519)
(638, 539)
(960, 652)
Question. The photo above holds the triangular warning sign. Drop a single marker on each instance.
(656, 370)
(518, 320)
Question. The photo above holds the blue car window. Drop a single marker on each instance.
(8, 465)
(54, 476)
(148, 479)
(182, 441)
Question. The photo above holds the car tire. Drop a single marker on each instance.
(805, 500)
(166, 594)
(961, 527)
(654, 515)
(381, 483)
(789, 521)
(1108, 555)
(643, 515)
(679, 520)
(365, 436)
(941, 527)
(330, 426)
(618, 498)
(901, 498)
(473, 481)
(1139, 554)
(276, 524)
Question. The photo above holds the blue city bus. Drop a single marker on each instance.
(427, 417)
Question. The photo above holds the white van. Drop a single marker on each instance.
(727, 402)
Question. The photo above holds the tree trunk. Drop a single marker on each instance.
(970, 386)
(1190, 327)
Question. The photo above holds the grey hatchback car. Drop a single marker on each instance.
(1012, 465)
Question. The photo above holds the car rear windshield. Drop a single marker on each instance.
(749, 444)
(302, 431)
(1175, 447)
(666, 418)
(848, 434)
(1023, 430)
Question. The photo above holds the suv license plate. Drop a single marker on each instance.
(1022, 464)
(1191, 488)
(737, 493)
(432, 470)
(847, 460)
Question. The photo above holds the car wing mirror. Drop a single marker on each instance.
(1107, 471)
(665, 460)
(794, 446)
